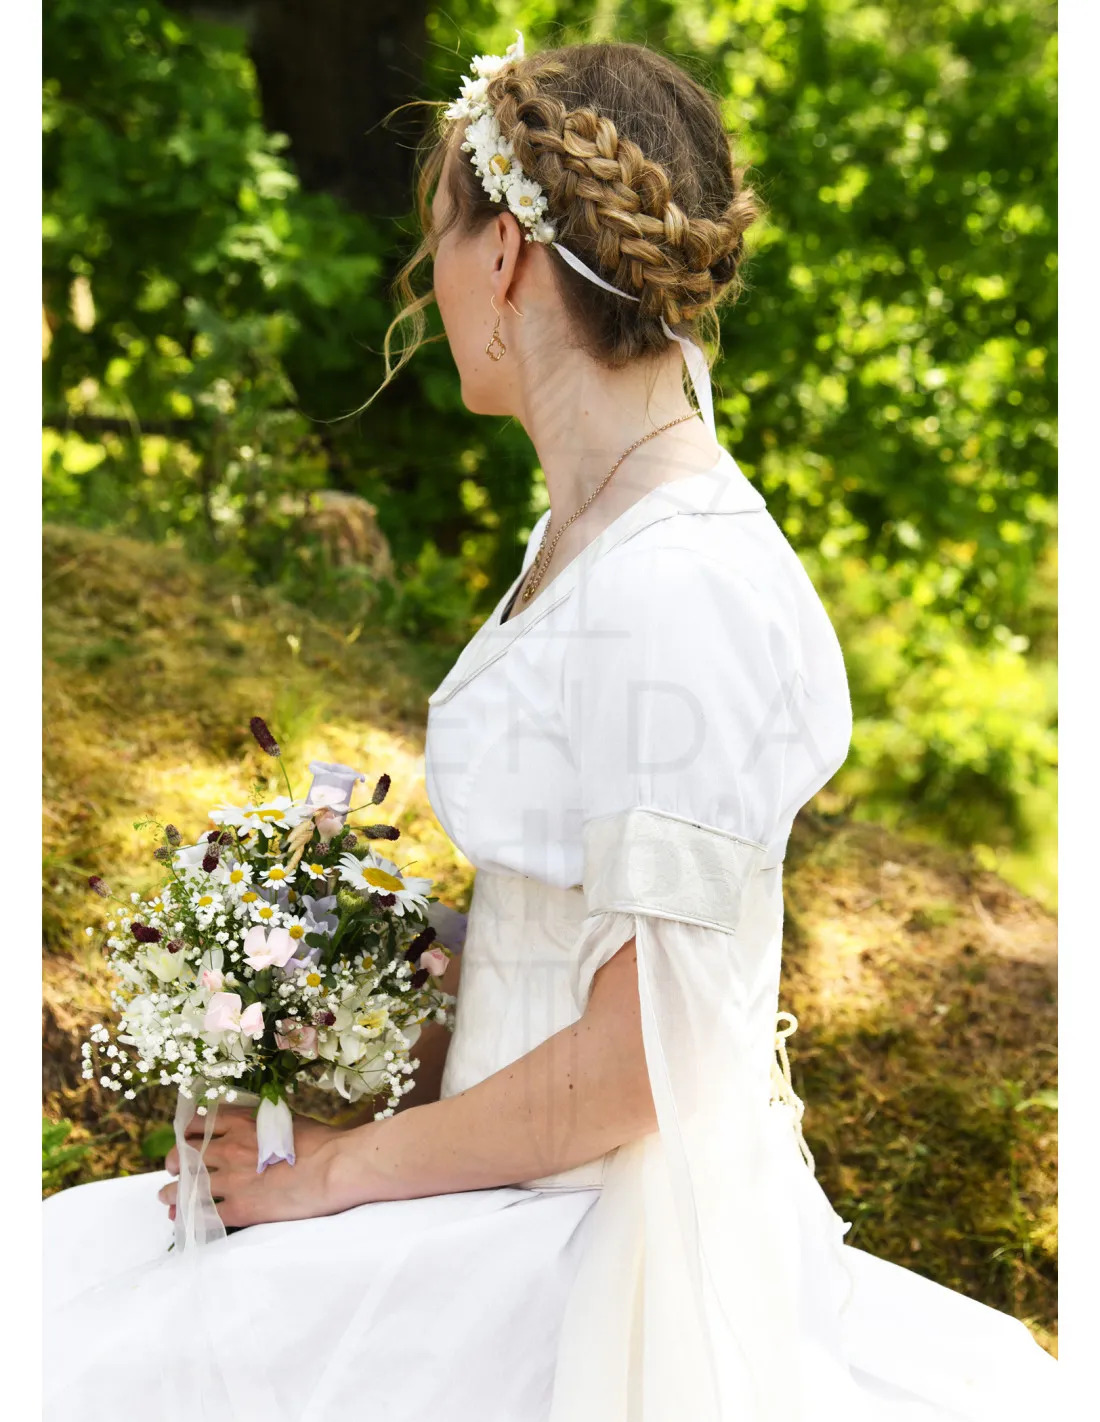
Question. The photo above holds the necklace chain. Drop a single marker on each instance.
(538, 566)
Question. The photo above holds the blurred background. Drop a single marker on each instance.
(227, 197)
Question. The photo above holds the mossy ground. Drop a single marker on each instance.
(924, 986)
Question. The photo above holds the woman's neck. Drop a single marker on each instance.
(582, 416)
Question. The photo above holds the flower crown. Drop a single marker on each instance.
(494, 158)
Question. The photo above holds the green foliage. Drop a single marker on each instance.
(158, 1142)
(58, 1159)
(888, 378)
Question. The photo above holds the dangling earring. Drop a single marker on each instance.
(495, 347)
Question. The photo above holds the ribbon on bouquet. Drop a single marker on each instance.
(197, 1220)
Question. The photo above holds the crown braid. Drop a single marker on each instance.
(615, 204)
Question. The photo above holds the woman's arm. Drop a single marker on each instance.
(577, 1095)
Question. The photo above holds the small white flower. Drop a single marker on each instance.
(264, 913)
(314, 870)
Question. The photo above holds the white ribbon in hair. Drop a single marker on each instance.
(694, 358)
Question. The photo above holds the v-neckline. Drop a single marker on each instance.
(721, 489)
(499, 617)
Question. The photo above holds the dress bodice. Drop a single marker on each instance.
(636, 739)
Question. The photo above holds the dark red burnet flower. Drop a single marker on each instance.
(381, 790)
(173, 836)
(144, 934)
(324, 1019)
(423, 940)
(420, 977)
(385, 900)
(381, 831)
(98, 886)
(174, 945)
(264, 738)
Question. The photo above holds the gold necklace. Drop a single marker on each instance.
(529, 591)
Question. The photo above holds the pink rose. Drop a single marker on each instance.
(294, 1036)
(435, 961)
(211, 978)
(223, 1013)
(329, 824)
(252, 1021)
(264, 949)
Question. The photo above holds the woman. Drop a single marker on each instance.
(598, 1206)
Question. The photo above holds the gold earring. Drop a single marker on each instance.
(512, 304)
(495, 347)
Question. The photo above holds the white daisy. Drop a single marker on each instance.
(314, 870)
(233, 876)
(375, 875)
(267, 819)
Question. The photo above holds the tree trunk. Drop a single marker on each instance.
(329, 72)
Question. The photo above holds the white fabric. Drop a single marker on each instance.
(621, 758)
(694, 359)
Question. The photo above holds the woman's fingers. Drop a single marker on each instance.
(172, 1162)
(167, 1193)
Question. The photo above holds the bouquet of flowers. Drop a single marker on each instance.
(281, 948)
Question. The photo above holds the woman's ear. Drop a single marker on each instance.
(509, 248)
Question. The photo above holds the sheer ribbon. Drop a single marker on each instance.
(694, 358)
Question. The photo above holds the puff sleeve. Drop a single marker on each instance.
(704, 706)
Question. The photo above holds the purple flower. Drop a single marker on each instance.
(266, 741)
(319, 915)
(144, 934)
(423, 940)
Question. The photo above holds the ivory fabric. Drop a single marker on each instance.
(622, 758)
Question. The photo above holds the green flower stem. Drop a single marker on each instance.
(286, 777)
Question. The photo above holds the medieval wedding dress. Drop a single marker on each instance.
(622, 757)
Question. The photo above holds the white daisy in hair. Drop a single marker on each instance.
(526, 199)
(375, 875)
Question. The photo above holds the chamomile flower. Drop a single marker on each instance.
(268, 819)
(233, 875)
(375, 875)
(276, 874)
(263, 912)
(313, 869)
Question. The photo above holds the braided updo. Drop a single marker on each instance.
(641, 184)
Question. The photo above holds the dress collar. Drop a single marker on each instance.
(723, 489)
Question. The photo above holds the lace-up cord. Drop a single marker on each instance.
(783, 1092)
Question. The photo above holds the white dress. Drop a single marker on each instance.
(623, 757)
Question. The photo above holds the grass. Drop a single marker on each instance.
(924, 985)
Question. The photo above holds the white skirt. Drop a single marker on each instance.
(447, 1307)
(451, 1307)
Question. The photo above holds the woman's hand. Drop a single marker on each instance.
(281, 1192)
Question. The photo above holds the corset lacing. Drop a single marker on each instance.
(783, 1092)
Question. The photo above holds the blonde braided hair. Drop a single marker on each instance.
(609, 199)
(642, 186)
